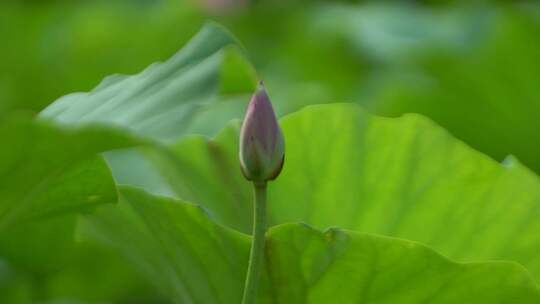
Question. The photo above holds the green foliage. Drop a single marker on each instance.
(402, 177)
(487, 94)
(48, 176)
(73, 231)
(166, 101)
(46, 171)
(69, 46)
(191, 259)
(196, 261)
(393, 57)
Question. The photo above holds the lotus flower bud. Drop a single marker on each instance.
(262, 147)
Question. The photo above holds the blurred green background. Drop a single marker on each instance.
(472, 66)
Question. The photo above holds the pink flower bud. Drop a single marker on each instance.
(262, 147)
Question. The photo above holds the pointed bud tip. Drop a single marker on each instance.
(260, 88)
(262, 147)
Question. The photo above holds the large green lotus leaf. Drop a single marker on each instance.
(131, 167)
(48, 175)
(97, 274)
(208, 172)
(195, 91)
(46, 171)
(402, 177)
(175, 245)
(89, 273)
(194, 260)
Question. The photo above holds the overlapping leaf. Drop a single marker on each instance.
(175, 245)
(197, 91)
(45, 170)
(196, 261)
(401, 177)
(48, 175)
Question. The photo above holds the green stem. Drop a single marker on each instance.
(256, 256)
